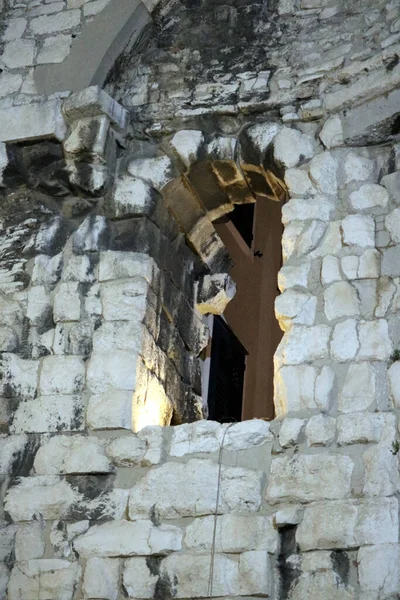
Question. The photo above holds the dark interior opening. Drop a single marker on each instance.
(242, 218)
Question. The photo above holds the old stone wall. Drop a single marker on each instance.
(109, 259)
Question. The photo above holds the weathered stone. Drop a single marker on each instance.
(358, 390)
(67, 302)
(214, 293)
(32, 121)
(54, 23)
(391, 261)
(40, 497)
(295, 307)
(323, 173)
(19, 53)
(234, 533)
(118, 371)
(344, 344)
(44, 578)
(369, 264)
(392, 224)
(289, 277)
(124, 300)
(360, 428)
(30, 541)
(146, 448)
(379, 571)
(330, 270)
(110, 410)
(187, 144)
(381, 471)
(91, 234)
(19, 377)
(299, 183)
(155, 171)
(330, 243)
(61, 375)
(303, 344)
(374, 340)
(292, 146)
(323, 583)
(368, 196)
(341, 300)
(55, 49)
(39, 306)
(92, 102)
(15, 29)
(290, 432)
(358, 168)
(331, 134)
(124, 538)
(49, 414)
(298, 209)
(196, 479)
(310, 237)
(46, 269)
(294, 389)
(101, 579)
(320, 430)
(323, 388)
(359, 230)
(310, 477)
(394, 383)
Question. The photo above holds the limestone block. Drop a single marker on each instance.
(61, 375)
(358, 392)
(290, 431)
(391, 261)
(349, 266)
(324, 583)
(46, 269)
(116, 371)
(360, 428)
(296, 276)
(156, 171)
(55, 49)
(91, 235)
(234, 534)
(214, 292)
(67, 302)
(86, 455)
(197, 479)
(126, 538)
(19, 53)
(358, 168)
(51, 455)
(54, 23)
(78, 268)
(392, 224)
(39, 306)
(294, 389)
(310, 477)
(386, 290)
(394, 383)
(44, 578)
(381, 471)
(299, 183)
(299, 209)
(330, 271)
(187, 144)
(290, 239)
(391, 183)
(4, 579)
(30, 541)
(246, 434)
(368, 196)
(34, 498)
(8, 339)
(323, 173)
(10, 83)
(331, 134)
(12, 450)
(351, 523)
(320, 430)
(101, 579)
(295, 307)
(288, 515)
(323, 388)
(146, 448)
(110, 410)
(344, 344)
(378, 571)
(310, 237)
(121, 265)
(292, 146)
(374, 340)
(15, 29)
(330, 243)
(341, 300)
(124, 301)
(93, 102)
(32, 121)
(49, 414)
(303, 344)
(359, 230)
(19, 376)
(369, 265)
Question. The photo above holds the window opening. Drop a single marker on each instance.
(227, 369)
(242, 218)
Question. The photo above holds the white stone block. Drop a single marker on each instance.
(349, 266)
(386, 290)
(299, 209)
(156, 491)
(344, 344)
(30, 541)
(330, 271)
(294, 389)
(262, 134)
(392, 224)
(15, 29)
(61, 375)
(32, 121)
(187, 144)
(78, 268)
(46, 269)
(381, 471)
(295, 307)
(303, 344)
(44, 578)
(88, 236)
(122, 265)
(310, 238)
(139, 580)
(358, 391)
(54, 23)
(323, 173)
(124, 301)
(298, 183)
(374, 340)
(358, 168)
(10, 83)
(323, 388)
(368, 196)
(331, 242)
(19, 375)
(290, 431)
(234, 533)
(290, 239)
(331, 134)
(310, 477)
(49, 414)
(115, 371)
(360, 428)
(291, 146)
(394, 383)
(341, 300)
(67, 302)
(55, 49)
(378, 569)
(359, 230)
(11, 448)
(155, 171)
(101, 579)
(320, 430)
(296, 276)
(39, 305)
(51, 455)
(369, 265)
(127, 538)
(86, 455)
(110, 410)
(34, 498)
(19, 53)
(93, 101)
